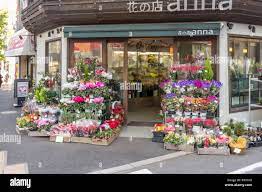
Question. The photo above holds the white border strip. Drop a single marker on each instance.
(140, 163)
(247, 169)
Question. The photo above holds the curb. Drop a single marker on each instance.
(140, 163)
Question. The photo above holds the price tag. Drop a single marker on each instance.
(196, 129)
(236, 150)
(59, 139)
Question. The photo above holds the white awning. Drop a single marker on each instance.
(21, 43)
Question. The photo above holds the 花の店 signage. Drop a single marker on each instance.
(178, 5)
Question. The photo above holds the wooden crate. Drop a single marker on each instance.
(186, 148)
(38, 134)
(21, 131)
(65, 139)
(213, 151)
(92, 141)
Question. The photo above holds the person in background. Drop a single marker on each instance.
(1, 80)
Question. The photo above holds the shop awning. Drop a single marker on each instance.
(21, 43)
(143, 30)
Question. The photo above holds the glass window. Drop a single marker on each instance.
(244, 60)
(115, 60)
(54, 57)
(84, 49)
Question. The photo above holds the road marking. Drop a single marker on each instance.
(247, 169)
(140, 163)
(8, 112)
(142, 171)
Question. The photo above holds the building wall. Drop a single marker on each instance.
(242, 30)
(41, 41)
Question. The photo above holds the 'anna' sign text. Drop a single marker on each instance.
(178, 5)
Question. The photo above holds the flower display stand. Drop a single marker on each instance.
(22, 131)
(186, 148)
(65, 139)
(213, 151)
(38, 134)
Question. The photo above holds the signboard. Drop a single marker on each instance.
(178, 5)
(21, 88)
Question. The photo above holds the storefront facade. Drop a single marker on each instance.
(21, 48)
(137, 41)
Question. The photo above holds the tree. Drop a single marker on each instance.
(3, 32)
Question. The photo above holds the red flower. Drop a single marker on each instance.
(78, 99)
(113, 123)
(210, 123)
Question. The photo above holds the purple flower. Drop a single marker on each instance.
(216, 84)
(206, 84)
(170, 95)
(163, 84)
(82, 87)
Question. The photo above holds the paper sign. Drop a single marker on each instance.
(196, 129)
(236, 150)
(59, 139)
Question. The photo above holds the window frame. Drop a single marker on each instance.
(243, 107)
(47, 54)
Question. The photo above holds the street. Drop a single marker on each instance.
(43, 156)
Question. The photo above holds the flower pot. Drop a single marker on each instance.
(203, 114)
(179, 113)
(195, 114)
(187, 114)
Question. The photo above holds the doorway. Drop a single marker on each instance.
(148, 63)
(141, 64)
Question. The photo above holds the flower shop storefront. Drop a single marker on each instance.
(140, 57)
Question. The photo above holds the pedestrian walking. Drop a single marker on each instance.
(1, 80)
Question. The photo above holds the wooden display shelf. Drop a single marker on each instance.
(38, 134)
(21, 131)
(65, 139)
(186, 148)
(103, 142)
(213, 151)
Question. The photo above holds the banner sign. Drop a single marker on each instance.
(178, 5)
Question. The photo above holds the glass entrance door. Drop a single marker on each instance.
(148, 63)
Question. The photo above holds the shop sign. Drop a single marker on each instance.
(178, 5)
(197, 32)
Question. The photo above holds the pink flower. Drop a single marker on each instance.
(100, 84)
(42, 122)
(91, 85)
(100, 71)
(198, 84)
(98, 100)
(78, 99)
